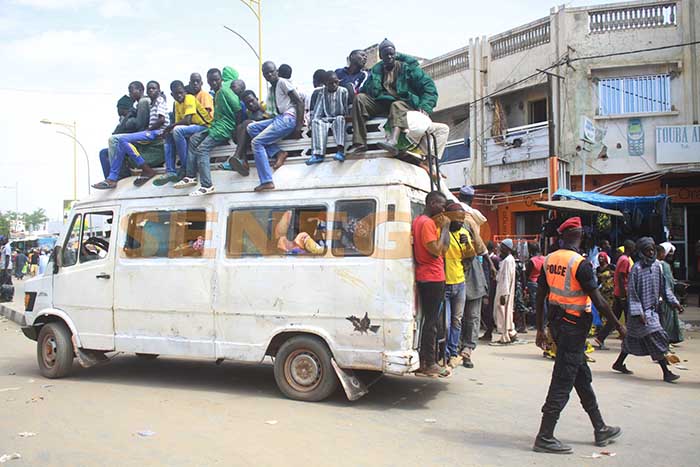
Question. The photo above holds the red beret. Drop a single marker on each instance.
(571, 223)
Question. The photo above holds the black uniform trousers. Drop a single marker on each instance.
(571, 370)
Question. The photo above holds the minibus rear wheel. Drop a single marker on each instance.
(54, 350)
(303, 369)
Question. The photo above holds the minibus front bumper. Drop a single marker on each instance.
(401, 362)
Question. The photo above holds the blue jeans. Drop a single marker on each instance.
(264, 135)
(124, 148)
(176, 142)
(455, 296)
(201, 145)
(104, 162)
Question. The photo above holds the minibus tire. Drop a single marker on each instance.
(54, 350)
(297, 356)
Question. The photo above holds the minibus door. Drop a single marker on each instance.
(83, 286)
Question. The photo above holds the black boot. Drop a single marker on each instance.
(668, 376)
(545, 441)
(603, 433)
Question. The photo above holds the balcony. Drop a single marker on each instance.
(448, 64)
(520, 144)
(524, 38)
(656, 15)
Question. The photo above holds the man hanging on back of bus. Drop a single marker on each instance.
(288, 109)
(227, 114)
(396, 85)
(569, 286)
(431, 239)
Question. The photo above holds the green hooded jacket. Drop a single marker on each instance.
(413, 85)
(226, 107)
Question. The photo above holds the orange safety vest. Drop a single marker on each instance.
(565, 291)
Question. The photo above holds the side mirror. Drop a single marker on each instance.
(56, 258)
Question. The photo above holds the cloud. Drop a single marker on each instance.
(59, 47)
(105, 8)
(53, 4)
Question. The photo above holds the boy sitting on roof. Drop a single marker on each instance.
(159, 117)
(329, 112)
(190, 118)
(288, 108)
(227, 114)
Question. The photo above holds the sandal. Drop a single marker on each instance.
(202, 190)
(105, 185)
(264, 187)
(142, 180)
(185, 182)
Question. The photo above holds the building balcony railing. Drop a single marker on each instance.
(524, 143)
(448, 64)
(517, 40)
(656, 15)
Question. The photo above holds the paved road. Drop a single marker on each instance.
(203, 414)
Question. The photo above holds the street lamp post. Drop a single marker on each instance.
(16, 188)
(73, 135)
(255, 7)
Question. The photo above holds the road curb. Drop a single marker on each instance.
(13, 315)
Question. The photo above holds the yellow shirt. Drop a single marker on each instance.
(204, 98)
(454, 271)
(191, 106)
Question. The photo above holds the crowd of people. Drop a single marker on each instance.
(199, 121)
(630, 289)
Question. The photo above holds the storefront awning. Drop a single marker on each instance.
(576, 205)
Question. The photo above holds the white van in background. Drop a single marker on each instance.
(317, 274)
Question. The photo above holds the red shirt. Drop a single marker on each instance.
(428, 267)
(537, 263)
(623, 266)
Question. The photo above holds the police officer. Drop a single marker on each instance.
(569, 285)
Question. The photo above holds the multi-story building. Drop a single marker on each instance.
(623, 122)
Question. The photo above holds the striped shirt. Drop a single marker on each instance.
(158, 108)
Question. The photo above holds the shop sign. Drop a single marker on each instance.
(678, 144)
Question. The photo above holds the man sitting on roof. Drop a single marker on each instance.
(227, 114)
(396, 85)
(190, 118)
(288, 108)
(354, 76)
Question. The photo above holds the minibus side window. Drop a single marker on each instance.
(97, 229)
(279, 230)
(354, 227)
(72, 244)
(166, 234)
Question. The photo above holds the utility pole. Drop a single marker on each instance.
(553, 161)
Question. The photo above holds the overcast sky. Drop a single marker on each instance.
(69, 60)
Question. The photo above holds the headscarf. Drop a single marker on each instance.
(668, 248)
(642, 244)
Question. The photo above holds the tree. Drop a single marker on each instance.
(35, 219)
(5, 219)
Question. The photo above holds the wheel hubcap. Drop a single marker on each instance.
(303, 370)
(50, 350)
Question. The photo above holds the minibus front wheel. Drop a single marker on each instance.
(303, 369)
(54, 350)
